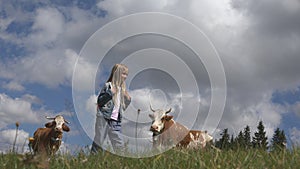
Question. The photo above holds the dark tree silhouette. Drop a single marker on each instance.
(232, 142)
(240, 140)
(224, 143)
(247, 137)
(278, 140)
(260, 140)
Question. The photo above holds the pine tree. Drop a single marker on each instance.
(240, 140)
(224, 143)
(232, 142)
(247, 138)
(278, 140)
(260, 140)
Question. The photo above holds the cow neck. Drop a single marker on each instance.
(171, 123)
(56, 135)
(164, 128)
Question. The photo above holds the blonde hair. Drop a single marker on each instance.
(116, 80)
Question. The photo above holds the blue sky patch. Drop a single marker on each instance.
(21, 29)
(11, 50)
(286, 97)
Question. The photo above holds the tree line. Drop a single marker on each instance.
(259, 140)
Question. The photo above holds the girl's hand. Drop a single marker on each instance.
(126, 94)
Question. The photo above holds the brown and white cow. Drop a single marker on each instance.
(167, 132)
(46, 141)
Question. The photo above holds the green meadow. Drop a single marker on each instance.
(174, 158)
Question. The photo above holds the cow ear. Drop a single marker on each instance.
(151, 116)
(168, 117)
(49, 125)
(65, 128)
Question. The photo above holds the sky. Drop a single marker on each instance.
(56, 55)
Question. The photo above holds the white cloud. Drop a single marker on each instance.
(31, 99)
(51, 68)
(51, 47)
(7, 138)
(295, 136)
(84, 75)
(239, 114)
(293, 6)
(13, 86)
(91, 105)
(48, 26)
(142, 98)
(16, 110)
(118, 8)
(4, 23)
(296, 108)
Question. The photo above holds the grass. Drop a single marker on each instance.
(181, 159)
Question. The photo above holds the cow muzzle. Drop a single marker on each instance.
(58, 130)
(154, 128)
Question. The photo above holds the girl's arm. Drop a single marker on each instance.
(104, 96)
(127, 98)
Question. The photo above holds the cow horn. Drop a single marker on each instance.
(66, 121)
(168, 111)
(152, 108)
(49, 118)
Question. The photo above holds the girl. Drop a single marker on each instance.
(112, 102)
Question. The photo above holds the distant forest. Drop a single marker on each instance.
(244, 141)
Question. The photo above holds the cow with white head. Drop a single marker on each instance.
(159, 117)
(58, 123)
(47, 140)
(167, 132)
